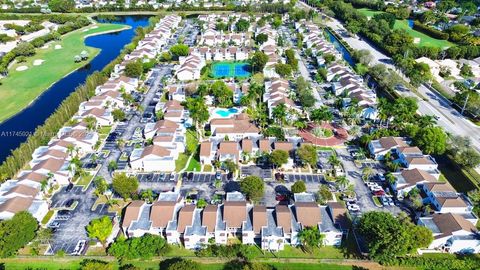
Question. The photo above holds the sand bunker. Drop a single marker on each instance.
(94, 27)
(38, 62)
(21, 68)
(58, 47)
(416, 40)
(45, 46)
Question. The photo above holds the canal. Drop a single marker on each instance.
(26, 121)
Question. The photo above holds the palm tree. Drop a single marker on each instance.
(91, 122)
(280, 113)
(44, 184)
(342, 182)
(367, 173)
(300, 124)
(333, 160)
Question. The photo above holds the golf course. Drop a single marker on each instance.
(27, 80)
(421, 38)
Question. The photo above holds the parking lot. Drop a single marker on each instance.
(307, 178)
(265, 174)
(70, 225)
(156, 177)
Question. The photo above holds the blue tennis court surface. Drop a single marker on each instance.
(229, 69)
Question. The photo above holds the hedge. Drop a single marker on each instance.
(429, 30)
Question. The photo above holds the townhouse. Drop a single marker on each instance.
(190, 67)
(379, 148)
(406, 180)
(153, 158)
(231, 53)
(451, 233)
(444, 198)
(237, 127)
(277, 91)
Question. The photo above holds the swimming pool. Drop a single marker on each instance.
(225, 113)
(230, 69)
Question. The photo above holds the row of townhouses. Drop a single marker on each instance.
(51, 166)
(270, 227)
(453, 222)
(343, 80)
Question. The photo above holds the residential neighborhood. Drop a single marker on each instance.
(252, 137)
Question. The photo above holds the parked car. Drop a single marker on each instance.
(281, 197)
(390, 201)
(218, 175)
(79, 247)
(69, 187)
(379, 192)
(353, 208)
(53, 225)
(352, 202)
(384, 200)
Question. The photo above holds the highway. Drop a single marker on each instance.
(429, 103)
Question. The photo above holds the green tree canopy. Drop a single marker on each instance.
(143, 247)
(16, 233)
(61, 5)
(253, 187)
(179, 50)
(124, 185)
(134, 69)
(258, 61)
(279, 157)
(298, 187)
(432, 140)
(100, 228)
(387, 236)
(308, 154)
(261, 38)
(242, 25)
(283, 70)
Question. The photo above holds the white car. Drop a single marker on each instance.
(79, 247)
(390, 201)
(353, 208)
(371, 184)
(376, 188)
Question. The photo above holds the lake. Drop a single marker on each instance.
(15, 130)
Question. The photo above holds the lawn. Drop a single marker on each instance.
(20, 88)
(318, 253)
(181, 162)
(47, 217)
(85, 180)
(55, 263)
(425, 40)
(194, 165)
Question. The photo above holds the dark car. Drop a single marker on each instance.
(69, 187)
(69, 203)
(190, 176)
(281, 197)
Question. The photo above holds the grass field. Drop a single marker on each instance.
(20, 88)
(75, 264)
(425, 40)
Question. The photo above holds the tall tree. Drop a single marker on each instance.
(100, 228)
(124, 185)
(253, 187)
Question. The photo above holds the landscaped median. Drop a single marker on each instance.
(46, 67)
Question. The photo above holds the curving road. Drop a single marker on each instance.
(429, 102)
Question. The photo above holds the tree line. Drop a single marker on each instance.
(67, 109)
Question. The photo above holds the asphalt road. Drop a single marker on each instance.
(449, 118)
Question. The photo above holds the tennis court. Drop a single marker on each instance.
(231, 69)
